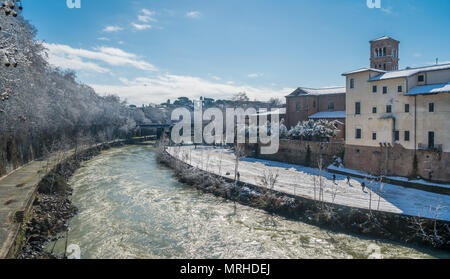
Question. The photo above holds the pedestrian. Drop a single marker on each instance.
(334, 178)
(238, 176)
(348, 180)
(363, 185)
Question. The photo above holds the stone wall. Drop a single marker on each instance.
(398, 161)
(295, 152)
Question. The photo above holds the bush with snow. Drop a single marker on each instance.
(310, 128)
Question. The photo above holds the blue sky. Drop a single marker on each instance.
(151, 51)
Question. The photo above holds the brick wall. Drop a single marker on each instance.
(398, 161)
(310, 105)
(295, 152)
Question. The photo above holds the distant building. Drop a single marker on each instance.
(317, 103)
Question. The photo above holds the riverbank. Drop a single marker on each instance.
(41, 187)
(362, 221)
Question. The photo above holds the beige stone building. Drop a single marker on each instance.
(394, 115)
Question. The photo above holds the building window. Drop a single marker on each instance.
(374, 110)
(357, 108)
(358, 134)
(331, 106)
(374, 89)
(314, 104)
(384, 89)
(388, 108)
(400, 89)
(298, 107)
(406, 107)
(374, 136)
(384, 66)
(352, 83)
(421, 78)
(396, 135)
(406, 135)
(430, 140)
(431, 107)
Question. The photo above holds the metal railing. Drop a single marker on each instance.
(436, 147)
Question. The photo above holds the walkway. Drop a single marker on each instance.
(17, 191)
(299, 180)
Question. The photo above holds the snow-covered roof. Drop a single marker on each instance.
(363, 70)
(384, 38)
(328, 114)
(410, 72)
(301, 91)
(430, 89)
(272, 112)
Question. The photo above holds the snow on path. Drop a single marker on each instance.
(299, 180)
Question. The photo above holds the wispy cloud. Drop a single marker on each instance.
(193, 14)
(112, 29)
(387, 10)
(147, 16)
(141, 26)
(255, 75)
(65, 56)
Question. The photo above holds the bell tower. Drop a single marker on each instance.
(384, 54)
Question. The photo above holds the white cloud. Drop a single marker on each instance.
(65, 56)
(103, 39)
(112, 29)
(141, 26)
(387, 10)
(193, 14)
(157, 89)
(255, 75)
(147, 16)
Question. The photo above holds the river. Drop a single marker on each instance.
(133, 207)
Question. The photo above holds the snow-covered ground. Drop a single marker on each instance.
(299, 180)
(397, 178)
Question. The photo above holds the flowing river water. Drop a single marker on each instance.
(133, 207)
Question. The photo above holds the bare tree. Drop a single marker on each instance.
(269, 178)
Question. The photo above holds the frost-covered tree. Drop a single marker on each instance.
(40, 105)
(283, 129)
(310, 128)
(11, 51)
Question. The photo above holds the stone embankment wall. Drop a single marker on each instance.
(398, 161)
(296, 152)
(50, 207)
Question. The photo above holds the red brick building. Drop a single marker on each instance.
(316, 103)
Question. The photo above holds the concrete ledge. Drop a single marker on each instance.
(428, 187)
